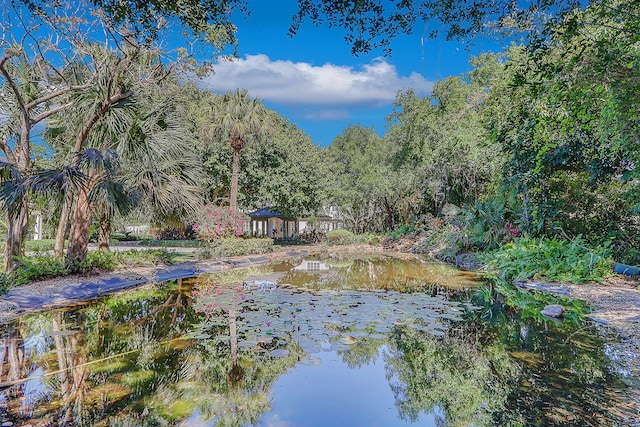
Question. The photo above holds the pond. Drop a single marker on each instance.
(357, 340)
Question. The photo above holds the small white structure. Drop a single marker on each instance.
(37, 228)
(312, 265)
(328, 219)
(267, 223)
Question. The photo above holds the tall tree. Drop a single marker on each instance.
(360, 162)
(33, 90)
(443, 143)
(287, 173)
(241, 119)
(572, 127)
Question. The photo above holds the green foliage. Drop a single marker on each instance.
(287, 172)
(172, 243)
(227, 247)
(565, 261)
(362, 181)
(569, 122)
(489, 223)
(368, 239)
(36, 246)
(341, 237)
(109, 261)
(402, 231)
(443, 144)
(33, 268)
(98, 260)
(530, 303)
(141, 258)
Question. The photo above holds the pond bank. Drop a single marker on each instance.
(68, 290)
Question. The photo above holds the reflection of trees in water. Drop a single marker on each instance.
(12, 370)
(364, 351)
(146, 358)
(128, 360)
(380, 273)
(518, 372)
(70, 348)
(452, 377)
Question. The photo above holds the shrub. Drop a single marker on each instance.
(490, 223)
(109, 261)
(38, 267)
(341, 237)
(31, 269)
(569, 261)
(214, 222)
(227, 247)
(146, 257)
(172, 243)
(401, 231)
(368, 239)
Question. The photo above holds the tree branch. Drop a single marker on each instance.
(51, 112)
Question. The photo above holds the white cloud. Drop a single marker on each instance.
(328, 86)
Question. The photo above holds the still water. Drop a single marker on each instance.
(352, 340)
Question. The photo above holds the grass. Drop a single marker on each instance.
(172, 243)
(39, 264)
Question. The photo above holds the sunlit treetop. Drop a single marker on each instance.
(368, 24)
(206, 19)
(372, 24)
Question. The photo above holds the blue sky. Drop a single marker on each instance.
(313, 80)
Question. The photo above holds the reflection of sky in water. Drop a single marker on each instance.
(332, 394)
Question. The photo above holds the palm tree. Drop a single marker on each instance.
(129, 113)
(159, 165)
(32, 91)
(241, 119)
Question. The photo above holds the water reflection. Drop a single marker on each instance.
(215, 352)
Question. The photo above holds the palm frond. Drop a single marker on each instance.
(104, 160)
(12, 194)
(57, 180)
(8, 171)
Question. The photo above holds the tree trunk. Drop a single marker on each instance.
(16, 234)
(235, 172)
(79, 234)
(104, 232)
(391, 223)
(58, 339)
(63, 225)
(235, 374)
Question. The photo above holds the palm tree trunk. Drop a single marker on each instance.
(235, 172)
(104, 232)
(63, 224)
(79, 234)
(16, 234)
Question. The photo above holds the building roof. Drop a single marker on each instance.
(266, 213)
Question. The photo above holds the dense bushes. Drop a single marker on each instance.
(346, 237)
(40, 267)
(565, 261)
(233, 247)
(215, 222)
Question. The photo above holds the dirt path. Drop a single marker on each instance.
(617, 302)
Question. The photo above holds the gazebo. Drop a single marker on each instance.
(268, 223)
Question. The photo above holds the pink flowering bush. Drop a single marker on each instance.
(215, 222)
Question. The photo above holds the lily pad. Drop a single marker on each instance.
(280, 352)
(311, 361)
(349, 340)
